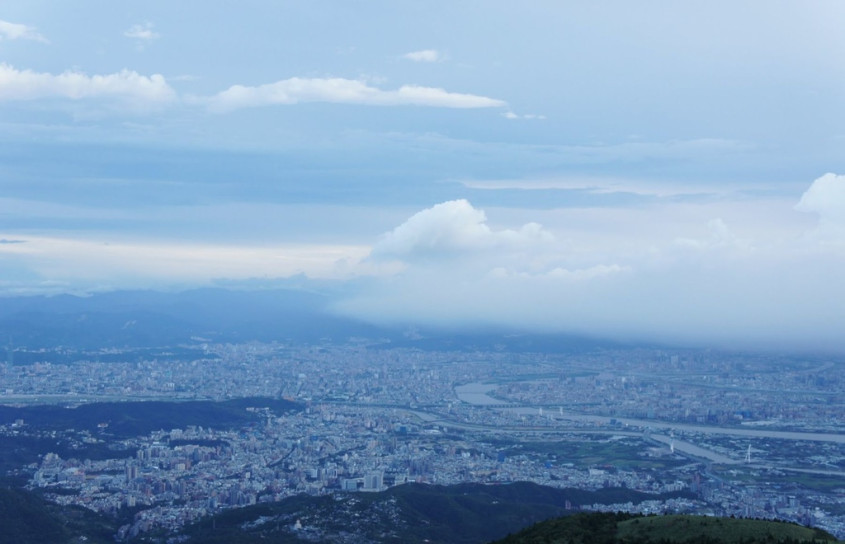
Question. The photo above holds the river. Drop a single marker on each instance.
(476, 394)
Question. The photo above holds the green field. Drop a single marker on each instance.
(825, 483)
(624, 454)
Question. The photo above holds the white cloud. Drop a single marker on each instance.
(826, 196)
(825, 199)
(15, 31)
(530, 116)
(667, 272)
(611, 185)
(343, 91)
(453, 228)
(558, 273)
(583, 274)
(127, 85)
(141, 32)
(130, 263)
(719, 237)
(426, 55)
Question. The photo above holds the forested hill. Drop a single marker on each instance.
(467, 513)
(620, 528)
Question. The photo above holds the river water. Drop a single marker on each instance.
(476, 393)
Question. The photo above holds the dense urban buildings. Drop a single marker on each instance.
(740, 437)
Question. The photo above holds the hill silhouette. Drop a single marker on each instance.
(621, 528)
(411, 513)
(25, 518)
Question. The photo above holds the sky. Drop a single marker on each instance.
(637, 170)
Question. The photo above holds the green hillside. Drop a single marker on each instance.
(461, 514)
(413, 513)
(27, 519)
(619, 528)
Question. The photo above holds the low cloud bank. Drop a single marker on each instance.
(719, 288)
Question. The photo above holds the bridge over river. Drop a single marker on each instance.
(477, 394)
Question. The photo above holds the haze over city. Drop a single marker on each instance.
(637, 171)
(442, 272)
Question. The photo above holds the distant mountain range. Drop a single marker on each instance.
(150, 318)
(145, 319)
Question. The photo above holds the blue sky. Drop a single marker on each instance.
(641, 170)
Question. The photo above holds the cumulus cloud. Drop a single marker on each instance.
(16, 31)
(141, 32)
(126, 85)
(826, 198)
(453, 228)
(426, 55)
(343, 91)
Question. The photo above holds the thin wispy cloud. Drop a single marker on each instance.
(611, 185)
(425, 55)
(17, 31)
(531, 116)
(343, 91)
(141, 32)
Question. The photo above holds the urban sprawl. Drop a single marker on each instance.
(746, 435)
